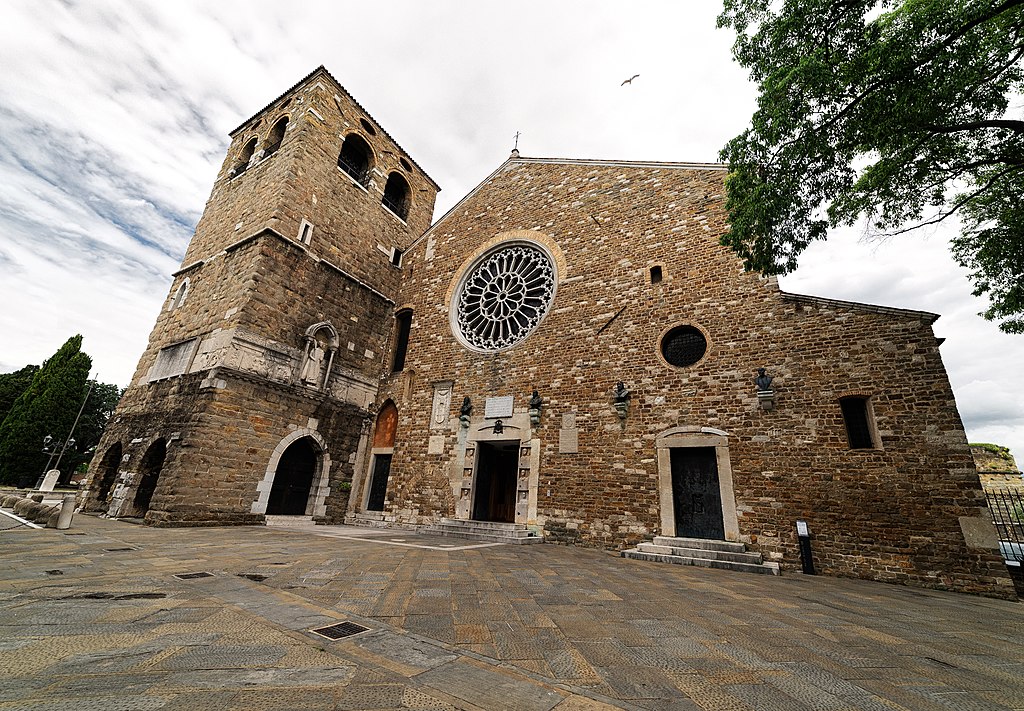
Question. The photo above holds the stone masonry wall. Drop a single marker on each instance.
(889, 513)
(220, 440)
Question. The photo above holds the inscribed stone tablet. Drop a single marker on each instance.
(568, 441)
(498, 406)
(435, 445)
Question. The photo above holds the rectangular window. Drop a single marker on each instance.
(396, 256)
(305, 232)
(403, 324)
(857, 418)
(172, 360)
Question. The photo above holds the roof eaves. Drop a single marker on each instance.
(860, 306)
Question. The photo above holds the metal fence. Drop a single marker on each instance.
(1007, 507)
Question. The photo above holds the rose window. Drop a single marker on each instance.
(504, 297)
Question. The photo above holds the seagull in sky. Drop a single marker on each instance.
(630, 80)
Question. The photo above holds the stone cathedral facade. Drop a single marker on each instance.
(568, 351)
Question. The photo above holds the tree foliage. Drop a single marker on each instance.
(898, 111)
(12, 385)
(48, 406)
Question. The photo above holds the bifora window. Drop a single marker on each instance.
(504, 296)
(683, 346)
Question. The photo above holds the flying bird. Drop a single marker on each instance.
(630, 80)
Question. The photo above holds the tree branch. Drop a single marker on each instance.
(960, 203)
(1015, 126)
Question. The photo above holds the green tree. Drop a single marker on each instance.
(897, 111)
(12, 385)
(103, 399)
(47, 406)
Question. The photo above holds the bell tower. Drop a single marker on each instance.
(256, 387)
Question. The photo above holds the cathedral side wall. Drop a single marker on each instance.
(890, 513)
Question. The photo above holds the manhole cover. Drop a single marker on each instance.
(55, 572)
(342, 629)
(119, 550)
(255, 577)
(192, 576)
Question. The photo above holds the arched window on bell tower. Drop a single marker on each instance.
(245, 156)
(396, 196)
(275, 137)
(356, 158)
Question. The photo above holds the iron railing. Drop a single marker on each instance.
(1007, 507)
(358, 173)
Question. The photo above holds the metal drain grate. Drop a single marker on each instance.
(342, 629)
(192, 576)
(119, 550)
(255, 577)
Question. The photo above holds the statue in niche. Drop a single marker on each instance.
(465, 411)
(763, 381)
(314, 362)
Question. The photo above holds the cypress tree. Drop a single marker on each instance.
(48, 406)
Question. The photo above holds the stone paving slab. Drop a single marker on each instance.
(86, 625)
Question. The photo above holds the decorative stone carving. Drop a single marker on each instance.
(321, 342)
(504, 297)
(441, 406)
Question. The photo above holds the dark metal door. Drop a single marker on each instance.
(696, 497)
(379, 482)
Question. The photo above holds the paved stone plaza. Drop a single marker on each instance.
(93, 618)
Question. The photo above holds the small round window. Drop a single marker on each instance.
(683, 346)
(503, 297)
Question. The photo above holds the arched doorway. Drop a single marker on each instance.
(105, 477)
(293, 479)
(383, 451)
(149, 473)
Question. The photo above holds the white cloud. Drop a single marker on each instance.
(114, 119)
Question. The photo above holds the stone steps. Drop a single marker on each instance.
(369, 519)
(492, 531)
(290, 521)
(723, 555)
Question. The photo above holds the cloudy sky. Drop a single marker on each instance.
(114, 118)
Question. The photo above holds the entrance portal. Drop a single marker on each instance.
(696, 497)
(293, 480)
(497, 466)
(379, 482)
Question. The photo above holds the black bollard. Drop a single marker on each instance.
(804, 536)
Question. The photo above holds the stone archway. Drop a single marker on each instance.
(149, 475)
(293, 465)
(105, 477)
(293, 480)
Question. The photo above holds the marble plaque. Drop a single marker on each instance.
(498, 406)
(435, 445)
(568, 441)
(568, 420)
